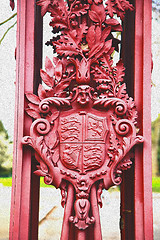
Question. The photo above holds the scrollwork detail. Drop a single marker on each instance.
(124, 127)
(121, 108)
(44, 105)
(120, 105)
(40, 126)
(48, 179)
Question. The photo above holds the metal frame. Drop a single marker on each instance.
(25, 190)
(25, 186)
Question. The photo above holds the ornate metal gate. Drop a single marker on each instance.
(84, 122)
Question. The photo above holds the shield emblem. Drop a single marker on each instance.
(82, 141)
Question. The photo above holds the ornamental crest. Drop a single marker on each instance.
(84, 121)
(82, 141)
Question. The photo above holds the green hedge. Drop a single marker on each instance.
(8, 183)
(156, 184)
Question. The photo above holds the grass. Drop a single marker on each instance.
(7, 182)
(156, 184)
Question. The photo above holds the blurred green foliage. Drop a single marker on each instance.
(156, 143)
(156, 184)
(7, 182)
(6, 149)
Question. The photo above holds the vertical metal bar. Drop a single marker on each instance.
(127, 186)
(20, 221)
(141, 202)
(35, 180)
(95, 212)
(65, 234)
(142, 96)
(80, 235)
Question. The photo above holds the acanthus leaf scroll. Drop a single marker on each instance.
(84, 122)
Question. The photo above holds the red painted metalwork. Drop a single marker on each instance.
(12, 4)
(142, 96)
(85, 121)
(137, 216)
(25, 186)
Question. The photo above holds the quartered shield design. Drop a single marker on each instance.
(82, 141)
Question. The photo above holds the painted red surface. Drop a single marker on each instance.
(24, 189)
(142, 96)
(84, 123)
(137, 216)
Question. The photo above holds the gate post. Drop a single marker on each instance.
(25, 191)
(136, 194)
(142, 96)
(25, 186)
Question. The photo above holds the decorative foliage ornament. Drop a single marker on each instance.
(84, 122)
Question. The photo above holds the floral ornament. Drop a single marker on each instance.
(84, 121)
(95, 1)
(118, 7)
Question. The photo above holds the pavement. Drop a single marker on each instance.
(51, 214)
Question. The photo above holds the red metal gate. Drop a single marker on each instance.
(136, 189)
(137, 213)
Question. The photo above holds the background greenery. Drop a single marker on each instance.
(6, 149)
(7, 182)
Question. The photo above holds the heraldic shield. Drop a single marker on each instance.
(82, 141)
(84, 121)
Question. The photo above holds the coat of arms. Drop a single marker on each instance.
(84, 121)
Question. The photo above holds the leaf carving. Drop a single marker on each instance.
(115, 25)
(49, 67)
(44, 6)
(100, 10)
(61, 86)
(97, 48)
(110, 8)
(81, 31)
(46, 78)
(101, 75)
(33, 107)
(106, 48)
(41, 92)
(51, 118)
(119, 72)
(59, 22)
(98, 35)
(67, 50)
(91, 36)
(80, 9)
(33, 98)
(58, 8)
(52, 139)
(121, 91)
(94, 16)
(40, 173)
(107, 61)
(32, 113)
(119, 7)
(58, 71)
(106, 33)
(113, 149)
